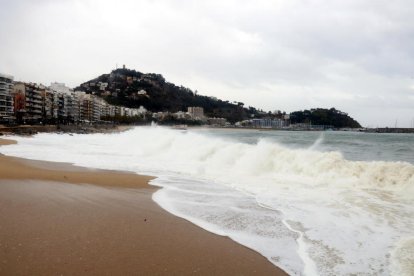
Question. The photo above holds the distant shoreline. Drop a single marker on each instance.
(109, 128)
(80, 129)
(364, 130)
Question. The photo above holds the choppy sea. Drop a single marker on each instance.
(313, 203)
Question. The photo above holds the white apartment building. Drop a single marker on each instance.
(30, 102)
(180, 115)
(6, 98)
(132, 112)
(196, 113)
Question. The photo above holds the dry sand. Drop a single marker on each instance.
(58, 219)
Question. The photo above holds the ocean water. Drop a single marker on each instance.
(313, 203)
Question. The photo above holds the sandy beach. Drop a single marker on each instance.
(59, 219)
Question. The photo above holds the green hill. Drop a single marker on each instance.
(131, 88)
(320, 116)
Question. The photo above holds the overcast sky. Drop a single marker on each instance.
(354, 55)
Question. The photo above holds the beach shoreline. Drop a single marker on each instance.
(27, 130)
(62, 219)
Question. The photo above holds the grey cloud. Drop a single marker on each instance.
(279, 54)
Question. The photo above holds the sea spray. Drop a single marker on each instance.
(348, 215)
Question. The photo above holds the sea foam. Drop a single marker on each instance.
(308, 212)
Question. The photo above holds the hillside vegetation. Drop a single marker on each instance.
(320, 116)
(131, 88)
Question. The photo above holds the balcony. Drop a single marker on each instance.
(35, 111)
(5, 104)
(6, 98)
(33, 106)
(31, 100)
(34, 96)
(5, 93)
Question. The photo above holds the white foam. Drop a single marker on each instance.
(403, 258)
(323, 213)
(309, 264)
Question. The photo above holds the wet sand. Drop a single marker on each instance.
(58, 219)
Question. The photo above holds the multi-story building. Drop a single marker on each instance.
(28, 101)
(68, 106)
(66, 102)
(49, 108)
(61, 114)
(65, 107)
(98, 103)
(89, 108)
(105, 110)
(93, 109)
(85, 107)
(268, 123)
(196, 113)
(19, 104)
(217, 121)
(112, 111)
(119, 111)
(76, 107)
(6, 97)
(75, 112)
(31, 102)
(133, 112)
